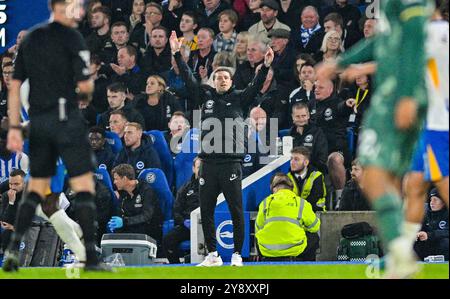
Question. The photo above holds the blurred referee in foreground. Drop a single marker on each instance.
(55, 59)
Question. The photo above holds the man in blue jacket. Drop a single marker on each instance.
(138, 150)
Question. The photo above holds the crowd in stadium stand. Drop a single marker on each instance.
(138, 88)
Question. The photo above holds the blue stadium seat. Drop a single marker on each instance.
(162, 148)
(156, 178)
(351, 139)
(183, 160)
(284, 132)
(114, 141)
(103, 175)
(168, 225)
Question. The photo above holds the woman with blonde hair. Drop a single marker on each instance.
(157, 104)
(332, 46)
(240, 50)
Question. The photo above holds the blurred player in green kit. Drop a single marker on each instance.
(392, 125)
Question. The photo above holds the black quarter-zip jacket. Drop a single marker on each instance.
(216, 108)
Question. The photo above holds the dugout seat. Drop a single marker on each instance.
(156, 178)
(165, 156)
(103, 176)
(183, 160)
(114, 141)
(284, 132)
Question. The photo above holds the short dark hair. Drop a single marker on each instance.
(117, 87)
(99, 130)
(300, 105)
(356, 162)
(335, 18)
(9, 63)
(52, 3)
(306, 64)
(95, 59)
(131, 51)
(192, 15)
(302, 150)
(119, 112)
(223, 69)
(104, 10)
(17, 172)
(124, 170)
(119, 24)
(161, 28)
(155, 5)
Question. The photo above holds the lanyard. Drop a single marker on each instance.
(358, 102)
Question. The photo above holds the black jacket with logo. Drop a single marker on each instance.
(331, 116)
(141, 212)
(219, 107)
(157, 117)
(436, 224)
(145, 156)
(187, 200)
(315, 140)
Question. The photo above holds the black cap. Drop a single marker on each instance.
(434, 192)
(271, 4)
(280, 33)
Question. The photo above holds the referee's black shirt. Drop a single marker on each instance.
(54, 57)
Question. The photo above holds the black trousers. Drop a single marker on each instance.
(436, 247)
(171, 243)
(216, 178)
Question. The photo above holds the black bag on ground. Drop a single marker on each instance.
(358, 242)
(41, 246)
(356, 230)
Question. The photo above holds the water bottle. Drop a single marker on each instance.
(279, 145)
(287, 145)
(434, 259)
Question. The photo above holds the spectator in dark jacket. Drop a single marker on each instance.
(104, 207)
(187, 200)
(138, 150)
(310, 136)
(310, 36)
(258, 142)
(246, 70)
(157, 57)
(157, 105)
(102, 151)
(353, 199)
(128, 72)
(331, 116)
(10, 200)
(209, 11)
(101, 82)
(350, 13)
(273, 99)
(433, 238)
(284, 56)
(116, 93)
(139, 211)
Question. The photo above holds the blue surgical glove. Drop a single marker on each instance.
(187, 223)
(115, 223)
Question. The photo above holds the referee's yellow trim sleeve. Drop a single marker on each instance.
(415, 11)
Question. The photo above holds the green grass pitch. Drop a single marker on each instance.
(250, 271)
